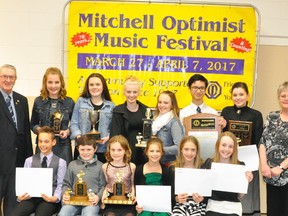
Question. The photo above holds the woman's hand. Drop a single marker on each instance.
(181, 198)
(276, 171)
(266, 171)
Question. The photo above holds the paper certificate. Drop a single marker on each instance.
(249, 155)
(154, 198)
(34, 181)
(193, 181)
(229, 177)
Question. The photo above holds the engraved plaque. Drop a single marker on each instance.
(242, 130)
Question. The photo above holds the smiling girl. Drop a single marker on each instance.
(95, 96)
(241, 112)
(167, 126)
(188, 157)
(53, 99)
(152, 172)
(118, 162)
(225, 203)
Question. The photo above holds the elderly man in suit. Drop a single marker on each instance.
(15, 136)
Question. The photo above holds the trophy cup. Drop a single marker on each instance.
(79, 197)
(119, 196)
(147, 130)
(93, 117)
(56, 125)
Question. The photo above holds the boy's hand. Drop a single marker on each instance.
(25, 196)
(52, 199)
(65, 198)
(94, 199)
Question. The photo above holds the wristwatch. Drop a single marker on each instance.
(281, 167)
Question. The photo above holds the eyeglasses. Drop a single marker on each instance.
(195, 88)
(5, 77)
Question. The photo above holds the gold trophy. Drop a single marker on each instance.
(147, 130)
(94, 118)
(56, 125)
(80, 196)
(119, 196)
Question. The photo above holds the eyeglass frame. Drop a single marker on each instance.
(196, 88)
(5, 77)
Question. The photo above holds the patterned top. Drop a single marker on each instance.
(116, 174)
(275, 140)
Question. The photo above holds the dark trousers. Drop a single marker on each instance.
(37, 205)
(277, 200)
(7, 193)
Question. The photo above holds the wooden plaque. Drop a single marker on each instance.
(242, 130)
(206, 129)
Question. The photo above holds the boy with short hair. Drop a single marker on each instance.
(94, 178)
(45, 206)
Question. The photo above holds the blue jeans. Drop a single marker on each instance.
(70, 210)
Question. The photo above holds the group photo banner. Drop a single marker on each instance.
(163, 45)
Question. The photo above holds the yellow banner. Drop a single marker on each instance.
(163, 45)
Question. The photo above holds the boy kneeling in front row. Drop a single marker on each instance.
(46, 205)
(92, 175)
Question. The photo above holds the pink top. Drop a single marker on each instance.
(116, 174)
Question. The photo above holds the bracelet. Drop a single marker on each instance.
(281, 167)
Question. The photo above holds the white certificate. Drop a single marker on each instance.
(193, 181)
(154, 198)
(249, 155)
(34, 181)
(229, 177)
(207, 141)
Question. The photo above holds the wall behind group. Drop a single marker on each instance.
(31, 40)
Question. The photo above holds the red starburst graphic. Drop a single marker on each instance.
(241, 45)
(81, 39)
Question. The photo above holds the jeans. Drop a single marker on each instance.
(70, 210)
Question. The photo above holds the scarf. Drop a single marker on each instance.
(161, 121)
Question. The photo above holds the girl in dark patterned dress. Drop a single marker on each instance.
(188, 157)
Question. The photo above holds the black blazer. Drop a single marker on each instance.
(15, 144)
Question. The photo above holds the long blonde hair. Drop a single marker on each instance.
(180, 161)
(234, 156)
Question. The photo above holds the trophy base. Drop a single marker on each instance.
(95, 136)
(142, 144)
(79, 201)
(118, 200)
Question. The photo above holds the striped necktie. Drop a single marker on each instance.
(198, 109)
(8, 103)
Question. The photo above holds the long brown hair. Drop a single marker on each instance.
(234, 156)
(180, 161)
(44, 91)
(154, 141)
(105, 93)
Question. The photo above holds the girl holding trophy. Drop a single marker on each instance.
(119, 193)
(95, 96)
(54, 108)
